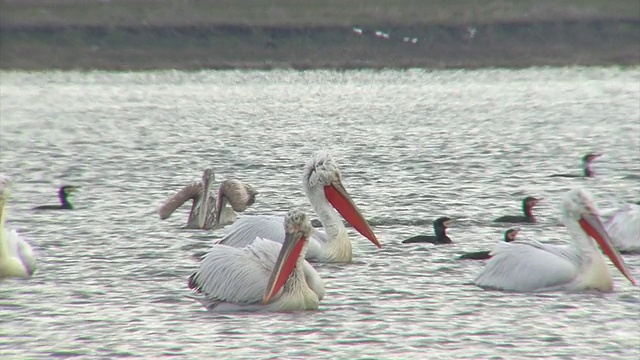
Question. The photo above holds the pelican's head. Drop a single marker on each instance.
(577, 206)
(5, 184)
(510, 235)
(322, 179)
(237, 194)
(297, 229)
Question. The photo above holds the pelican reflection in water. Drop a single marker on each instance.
(205, 207)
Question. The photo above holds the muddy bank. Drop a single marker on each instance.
(505, 44)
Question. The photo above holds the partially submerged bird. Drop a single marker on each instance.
(322, 183)
(624, 227)
(16, 256)
(208, 212)
(509, 236)
(586, 167)
(528, 203)
(263, 276)
(531, 266)
(440, 226)
(64, 195)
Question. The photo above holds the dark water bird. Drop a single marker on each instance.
(64, 193)
(586, 167)
(527, 208)
(440, 226)
(509, 236)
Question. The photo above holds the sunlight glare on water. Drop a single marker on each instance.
(412, 146)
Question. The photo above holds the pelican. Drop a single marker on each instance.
(233, 192)
(322, 183)
(523, 266)
(624, 227)
(263, 276)
(16, 256)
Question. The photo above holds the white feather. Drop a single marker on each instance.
(624, 228)
(527, 266)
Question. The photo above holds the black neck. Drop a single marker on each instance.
(64, 203)
(587, 170)
(441, 234)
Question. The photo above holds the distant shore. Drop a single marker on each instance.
(147, 35)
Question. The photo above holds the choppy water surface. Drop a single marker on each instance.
(411, 145)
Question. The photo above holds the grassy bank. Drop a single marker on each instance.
(153, 34)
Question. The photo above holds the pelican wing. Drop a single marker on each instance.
(528, 266)
(240, 276)
(171, 204)
(249, 227)
(624, 228)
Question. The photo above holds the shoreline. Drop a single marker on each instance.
(506, 44)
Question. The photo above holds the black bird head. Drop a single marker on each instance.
(511, 234)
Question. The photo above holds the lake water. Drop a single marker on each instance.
(412, 146)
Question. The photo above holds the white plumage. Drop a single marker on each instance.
(624, 227)
(233, 279)
(16, 256)
(530, 266)
(322, 183)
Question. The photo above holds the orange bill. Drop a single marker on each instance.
(342, 202)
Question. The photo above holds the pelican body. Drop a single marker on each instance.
(624, 227)
(523, 266)
(207, 212)
(322, 183)
(16, 256)
(263, 276)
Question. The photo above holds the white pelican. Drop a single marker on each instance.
(322, 183)
(265, 275)
(624, 227)
(523, 266)
(16, 256)
(233, 192)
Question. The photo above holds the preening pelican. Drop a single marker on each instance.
(64, 195)
(16, 256)
(322, 183)
(523, 266)
(624, 227)
(264, 275)
(202, 216)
